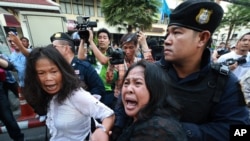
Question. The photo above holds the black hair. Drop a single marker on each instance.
(130, 37)
(161, 101)
(104, 30)
(33, 93)
(24, 38)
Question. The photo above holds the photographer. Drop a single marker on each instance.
(129, 44)
(220, 50)
(99, 59)
(238, 60)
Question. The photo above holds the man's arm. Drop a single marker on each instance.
(145, 49)
(82, 51)
(18, 43)
(98, 54)
(5, 64)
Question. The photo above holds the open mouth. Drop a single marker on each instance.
(50, 87)
(131, 104)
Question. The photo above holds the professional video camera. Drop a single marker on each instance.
(117, 55)
(231, 61)
(82, 24)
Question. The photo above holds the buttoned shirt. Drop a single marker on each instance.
(70, 120)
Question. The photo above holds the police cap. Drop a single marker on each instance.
(198, 15)
(62, 36)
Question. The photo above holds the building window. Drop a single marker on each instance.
(77, 7)
(89, 8)
(99, 10)
(66, 6)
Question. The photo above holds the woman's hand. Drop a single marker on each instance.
(99, 135)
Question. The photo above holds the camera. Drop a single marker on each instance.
(117, 55)
(231, 61)
(82, 24)
(222, 51)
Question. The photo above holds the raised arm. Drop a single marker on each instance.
(98, 54)
(82, 51)
(145, 49)
(18, 43)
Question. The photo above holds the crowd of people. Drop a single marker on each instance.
(104, 93)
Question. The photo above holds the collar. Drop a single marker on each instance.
(204, 68)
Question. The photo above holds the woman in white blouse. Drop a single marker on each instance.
(52, 88)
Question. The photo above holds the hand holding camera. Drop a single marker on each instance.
(15, 39)
(82, 25)
(116, 55)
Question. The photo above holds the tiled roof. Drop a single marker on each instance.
(39, 2)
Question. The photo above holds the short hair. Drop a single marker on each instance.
(32, 90)
(160, 100)
(104, 30)
(24, 38)
(130, 37)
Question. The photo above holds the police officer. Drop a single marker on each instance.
(207, 113)
(65, 45)
(211, 100)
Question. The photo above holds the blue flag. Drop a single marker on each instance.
(165, 8)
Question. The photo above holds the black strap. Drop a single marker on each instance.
(221, 81)
(222, 75)
(92, 128)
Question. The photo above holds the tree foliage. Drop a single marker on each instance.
(130, 13)
(236, 17)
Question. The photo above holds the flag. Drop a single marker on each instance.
(164, 10)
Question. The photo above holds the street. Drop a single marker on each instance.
(30, 134)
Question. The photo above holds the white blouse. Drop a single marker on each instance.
(70, 121)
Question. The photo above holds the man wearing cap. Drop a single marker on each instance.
(211, 100)
(65, 45)
(207, 115)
